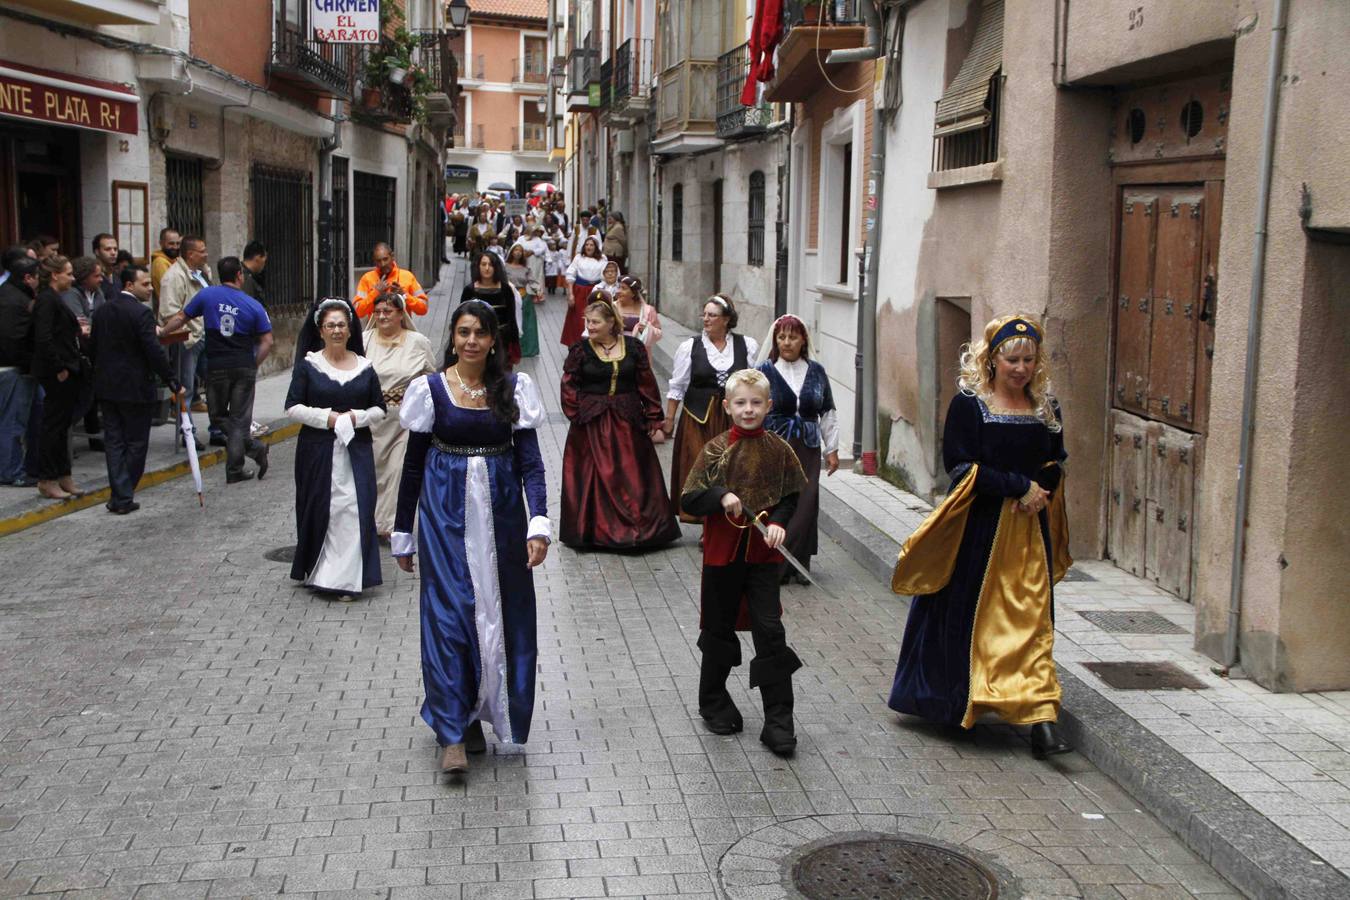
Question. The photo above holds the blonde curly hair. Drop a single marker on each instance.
(976, 378)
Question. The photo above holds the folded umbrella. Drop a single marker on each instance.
(190, 441)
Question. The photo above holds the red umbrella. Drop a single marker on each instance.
(544, 187)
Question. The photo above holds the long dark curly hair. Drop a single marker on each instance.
(500, 386)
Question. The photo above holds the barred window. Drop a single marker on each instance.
(677, 223)
(755, 253)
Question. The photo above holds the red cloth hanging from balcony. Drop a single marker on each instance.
(764, 38)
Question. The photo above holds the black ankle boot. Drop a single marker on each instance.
(1047, 741)
(778, 734)
(714, 702)
(474, 740)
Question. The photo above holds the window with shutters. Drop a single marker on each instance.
(966, 128)
(677, 223)
(755, 228)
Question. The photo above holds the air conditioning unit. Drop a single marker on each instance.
(623, 141)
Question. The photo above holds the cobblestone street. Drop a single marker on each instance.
(180, 721)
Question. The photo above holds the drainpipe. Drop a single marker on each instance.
(1277, 35)
(326, 148)
(865, 391)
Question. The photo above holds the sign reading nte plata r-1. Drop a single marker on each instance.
(346, 21)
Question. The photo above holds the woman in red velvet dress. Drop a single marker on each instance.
(613, 494)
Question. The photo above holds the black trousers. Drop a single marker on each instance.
(58, 413)
(229, 397)
(723, 587)
(126, 440)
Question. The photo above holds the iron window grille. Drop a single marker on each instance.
(973, 146)
(373, 212)
(341, 202)
(677, 223)
(283, 219)
(183, 194)
(755, 235)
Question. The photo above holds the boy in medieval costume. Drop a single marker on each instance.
(745, 485)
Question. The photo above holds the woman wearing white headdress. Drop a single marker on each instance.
(803, 414)
(335, 395)
(697, 381)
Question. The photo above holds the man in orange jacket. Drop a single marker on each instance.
(387, 276)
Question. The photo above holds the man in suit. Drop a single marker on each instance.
(127, 356)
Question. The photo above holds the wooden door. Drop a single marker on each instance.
(1166, 254)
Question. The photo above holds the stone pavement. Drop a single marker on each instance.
(22, 508)
(179, 720)
(1256, 782)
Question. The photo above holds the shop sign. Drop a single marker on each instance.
(346, 21)
(460, 173)
(45, 96)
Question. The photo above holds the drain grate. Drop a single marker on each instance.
(1145, 676)
(281, 554)
(891, 869)
(1132, 622)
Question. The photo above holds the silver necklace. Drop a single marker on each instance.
(477, 393)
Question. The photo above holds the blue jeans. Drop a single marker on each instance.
(16, 401)
(184, 360)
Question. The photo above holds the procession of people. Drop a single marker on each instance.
(439, 460)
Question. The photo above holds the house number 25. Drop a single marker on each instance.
(1136, 18)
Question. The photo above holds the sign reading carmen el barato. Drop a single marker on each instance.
(346, 21)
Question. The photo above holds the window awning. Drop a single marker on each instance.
(42, 95)
(963, 104)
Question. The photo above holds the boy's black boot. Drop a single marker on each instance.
(715, 705)
(773, 676)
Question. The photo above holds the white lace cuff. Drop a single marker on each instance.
(402, 543)
(539, 528)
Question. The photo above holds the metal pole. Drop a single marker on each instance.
(1277, 34)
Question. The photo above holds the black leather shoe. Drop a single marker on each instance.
(235, 479)
(123, 510)
(1047, 741)
(474, 741)
(726, 720)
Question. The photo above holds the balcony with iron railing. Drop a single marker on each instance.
(382, 100)
(733, 119)
(433, 54)
(811, 29)
(606, 83)
(328, 70)
(583, 68)
(532, 137)
(632, 84)
(530, 72)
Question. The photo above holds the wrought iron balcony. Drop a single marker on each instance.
(733, 119)
(532, 138)
(530, 70)
(326, 69)
(606, 83)
(821, 12)
(632, 77)
(435, 55)
(579, 68)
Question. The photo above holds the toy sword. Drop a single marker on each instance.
(792, 560)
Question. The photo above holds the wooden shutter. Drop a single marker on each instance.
(1138, 248)
(1176, 309)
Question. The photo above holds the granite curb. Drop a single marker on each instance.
(1254, 854)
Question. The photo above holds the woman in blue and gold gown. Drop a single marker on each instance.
(472, 465)
(982, 566)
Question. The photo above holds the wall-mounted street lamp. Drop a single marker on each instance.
(457, 11)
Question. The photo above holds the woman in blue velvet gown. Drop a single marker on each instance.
(472, 465)
(982, 566)
(335, 395)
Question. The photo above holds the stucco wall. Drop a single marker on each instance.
(685, 285)
(1112, 42)
(1289, 640)
(237, 39)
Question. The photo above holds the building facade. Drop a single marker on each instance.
(1116, 194)
(232, 127)
(501, 135)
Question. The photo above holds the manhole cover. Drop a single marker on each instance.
(890, 869)
(1144, 676)
(1133, 622)
(281, 554)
